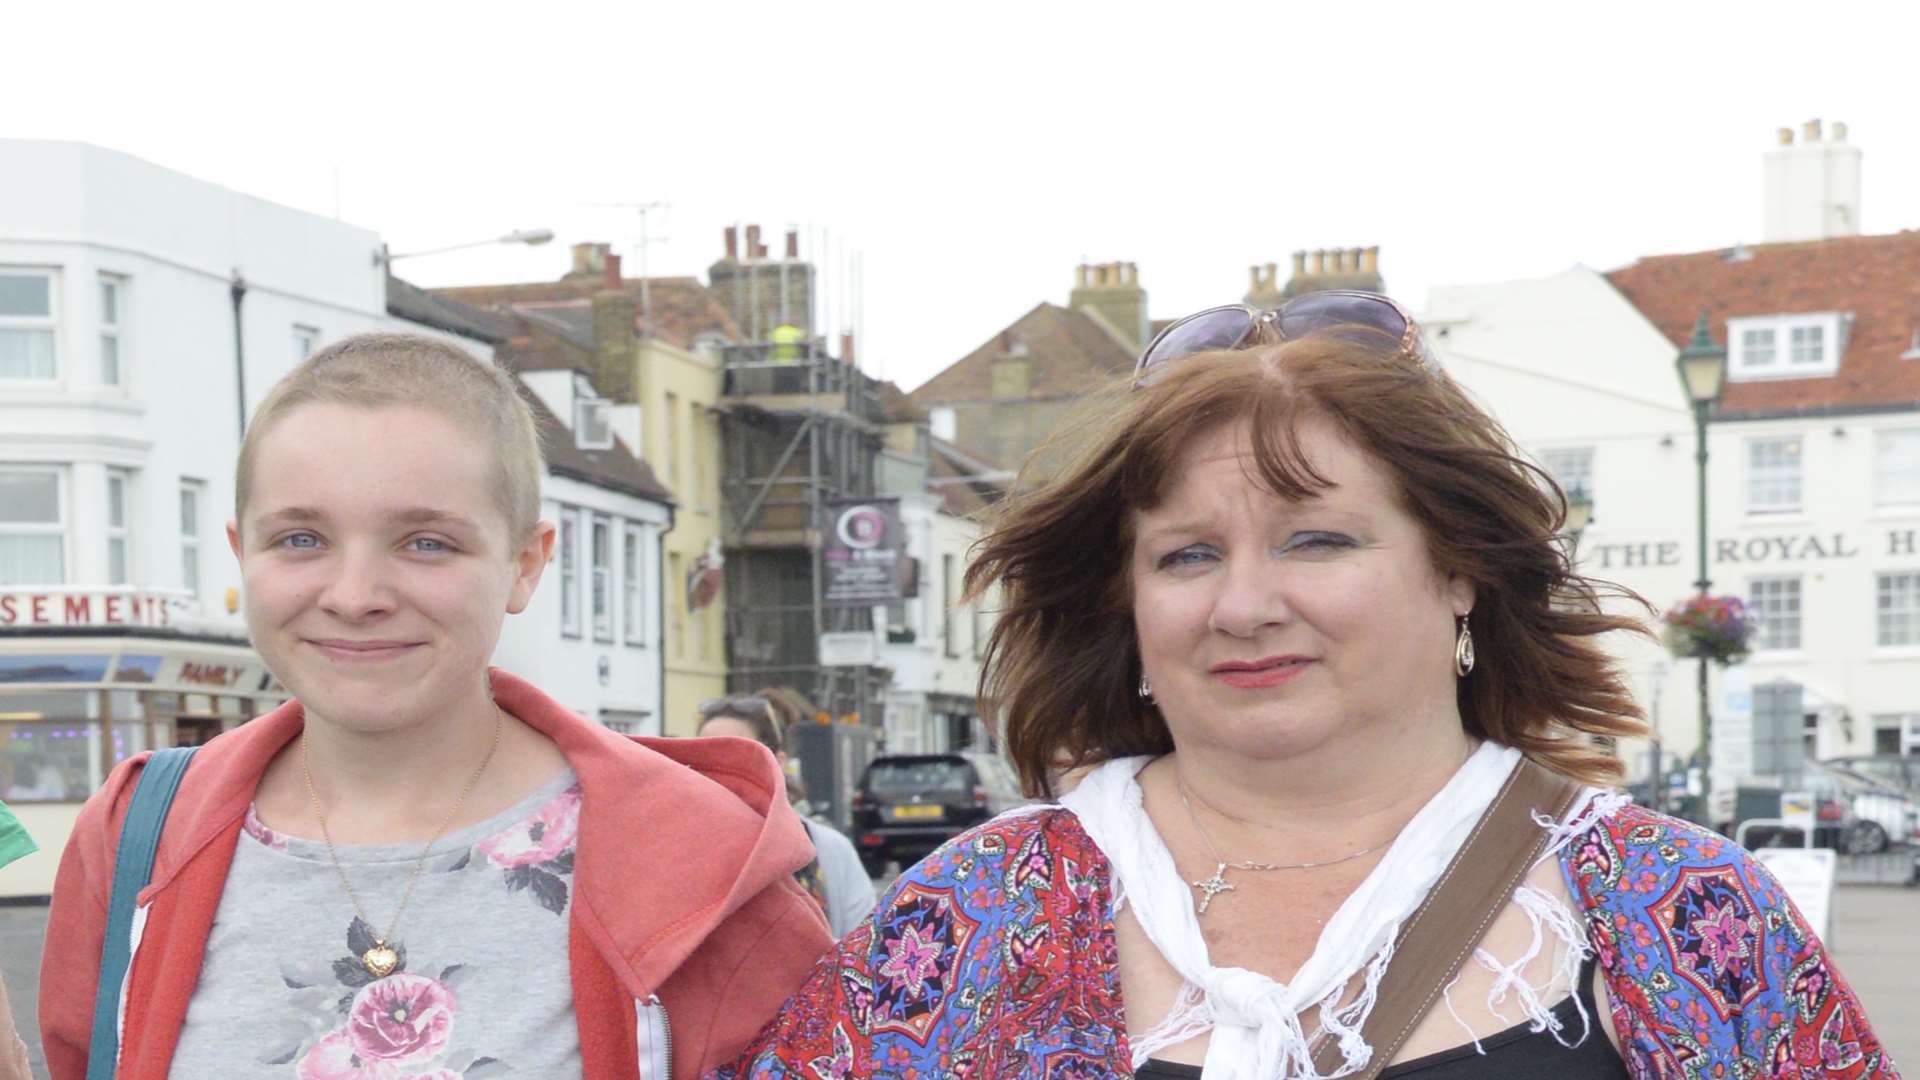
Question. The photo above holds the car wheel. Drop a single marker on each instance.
(1866, 838)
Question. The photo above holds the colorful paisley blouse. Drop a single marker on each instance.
(995, 958)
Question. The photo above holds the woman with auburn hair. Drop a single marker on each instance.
(1297, 620)
(420, 866)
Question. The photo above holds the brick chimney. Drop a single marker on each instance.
(1111, 293)
(613, 341)
(733, 243)
(589, 261)
(793, 244)
(1329, 268)
(612, 274)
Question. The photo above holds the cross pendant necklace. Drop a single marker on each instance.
(1213, 886)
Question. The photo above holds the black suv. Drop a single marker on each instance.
(909, 804)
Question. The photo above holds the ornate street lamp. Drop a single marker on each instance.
(1703, 368)
(1579, 516)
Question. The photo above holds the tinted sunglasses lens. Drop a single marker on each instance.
(1221, 329)
(1322, 311)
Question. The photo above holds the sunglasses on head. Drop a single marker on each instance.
(743, 705)
(1233, 325)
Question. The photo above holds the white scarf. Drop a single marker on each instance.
(1256, 1027)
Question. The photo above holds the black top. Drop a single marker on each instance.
(1513, 1054)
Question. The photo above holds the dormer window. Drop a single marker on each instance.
(592, 427)
(1786, 346)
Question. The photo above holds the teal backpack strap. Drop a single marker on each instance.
(132, 867)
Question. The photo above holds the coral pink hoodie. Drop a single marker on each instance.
(688, 927)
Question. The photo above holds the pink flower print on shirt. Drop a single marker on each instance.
(537, 853)
(542, 838)
(258, 830)
(333, 1058)
(403, 1017)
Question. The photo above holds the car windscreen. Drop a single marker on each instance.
(931, 777)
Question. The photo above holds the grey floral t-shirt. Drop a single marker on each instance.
(482, 987)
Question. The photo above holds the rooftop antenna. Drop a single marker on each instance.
(640, 250)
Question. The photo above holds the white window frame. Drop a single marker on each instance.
(193, 501)
(1765, 638)
(120, 533)
(1783, 359)
(1571, 467)
(50, 322)
(306, 341)
(58, 528)
(569, 572)
(633, 584)
(1767, 483)
(1896, 483)
(1896, 609)
(948, 633)
(600, 571)
(112, 330)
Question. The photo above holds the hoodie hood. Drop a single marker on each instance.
(676, 835)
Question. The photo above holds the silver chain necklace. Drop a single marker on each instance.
(1211, 887)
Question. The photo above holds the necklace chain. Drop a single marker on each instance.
(381, 958)
(1213, 886)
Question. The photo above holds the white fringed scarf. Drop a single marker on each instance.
(1257, 1034)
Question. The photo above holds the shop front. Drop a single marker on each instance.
(89, 678)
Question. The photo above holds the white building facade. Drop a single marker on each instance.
(934, 642)
(591, 637)
(143, 314)
(1813, 486)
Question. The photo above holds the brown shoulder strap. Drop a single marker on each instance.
(1444, 930)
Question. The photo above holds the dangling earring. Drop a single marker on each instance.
(1463, 650)
(1146, 689)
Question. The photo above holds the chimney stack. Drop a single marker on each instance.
(754, 250)
(1299, 264)
(846, 349)
(613, 278)
(1370, 261)
(793, 244)
(1810, 190)
(733, 243)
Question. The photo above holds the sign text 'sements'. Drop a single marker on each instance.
(105, 609)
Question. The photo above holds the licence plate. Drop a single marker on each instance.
(903, 813)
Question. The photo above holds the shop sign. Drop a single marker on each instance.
(103, 608)
(861, 552)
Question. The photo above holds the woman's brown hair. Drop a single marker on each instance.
(1062, 663)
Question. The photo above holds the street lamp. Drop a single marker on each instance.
(1579, 516)
(1703, 367)
(530, 237)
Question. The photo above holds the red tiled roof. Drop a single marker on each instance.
(1069, 352)
(680, 309)
(1876, 279)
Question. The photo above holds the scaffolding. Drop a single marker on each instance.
(799, 429)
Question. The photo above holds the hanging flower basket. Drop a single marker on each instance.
(1718, 628)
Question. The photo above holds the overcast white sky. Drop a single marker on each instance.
(974, 153)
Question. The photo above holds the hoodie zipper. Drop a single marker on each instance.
(662, 1054)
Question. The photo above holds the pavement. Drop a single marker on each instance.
(1875, 943)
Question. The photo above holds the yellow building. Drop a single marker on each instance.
(656, 345)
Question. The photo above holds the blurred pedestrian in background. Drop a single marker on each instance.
(836, 877)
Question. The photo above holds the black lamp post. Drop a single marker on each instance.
(1703, 368)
